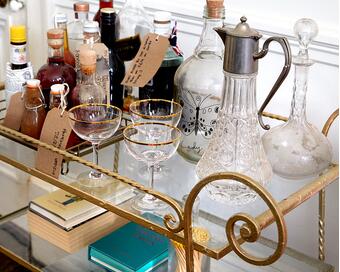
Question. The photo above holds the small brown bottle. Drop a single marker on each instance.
(34, 112)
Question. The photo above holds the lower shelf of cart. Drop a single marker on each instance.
(15, 236)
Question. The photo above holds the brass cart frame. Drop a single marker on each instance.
(179, 228)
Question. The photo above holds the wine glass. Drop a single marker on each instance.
(94, 123)
(144, 147)
(156, 110)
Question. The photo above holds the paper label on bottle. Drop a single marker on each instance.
(56, 131)
(15, 111)
(147, 61)
(18, 54)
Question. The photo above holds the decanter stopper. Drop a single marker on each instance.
(305, 31)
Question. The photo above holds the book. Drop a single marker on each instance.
(79, 236)
(67, 210)
(131, 248)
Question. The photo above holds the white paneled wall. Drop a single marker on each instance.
(271, 18)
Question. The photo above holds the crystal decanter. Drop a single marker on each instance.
(236, 144)
(199, 84)
(297, 149)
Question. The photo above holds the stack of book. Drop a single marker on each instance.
(70, 222)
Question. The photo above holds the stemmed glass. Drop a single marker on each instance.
(143, 146)
(159, 111)
(94, 123)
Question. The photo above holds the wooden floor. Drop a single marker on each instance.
(7, 265)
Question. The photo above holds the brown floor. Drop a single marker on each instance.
(7, 265)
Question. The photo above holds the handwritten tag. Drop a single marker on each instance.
(56, 131)
(147, 61)
(15, 111)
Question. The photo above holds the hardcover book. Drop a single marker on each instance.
(131, 248)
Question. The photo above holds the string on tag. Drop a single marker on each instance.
(157, 38)
(63, 102)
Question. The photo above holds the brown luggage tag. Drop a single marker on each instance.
(15, 111)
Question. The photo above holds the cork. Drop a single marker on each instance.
(55, 38)
(215, 3)
(88, 60)
(215, 8)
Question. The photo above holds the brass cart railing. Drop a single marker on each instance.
(178, 225)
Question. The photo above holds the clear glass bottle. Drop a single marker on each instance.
(56, 71)
(297, 149)
(236, 144)
(91, 32)
(199, 85)
(87, 91)
(34, 113)
(75, 28)
(102, 4)
(162, 84)
(60, 21)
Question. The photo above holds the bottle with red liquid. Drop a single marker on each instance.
(34, 112)
(60, 21)
(102, 4)
(56, 71)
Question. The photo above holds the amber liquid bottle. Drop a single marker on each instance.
(56, 71)
(60, 21)
(34, 112)
(102, 4)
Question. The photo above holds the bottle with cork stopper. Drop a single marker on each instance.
(56, 70)
(87, 91)
(34, 112)
(199, 85)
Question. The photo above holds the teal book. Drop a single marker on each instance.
(131, 248)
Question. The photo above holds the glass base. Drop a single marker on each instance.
(232, 194)
(86, 179)
(148, 203)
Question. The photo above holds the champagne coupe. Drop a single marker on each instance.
(159, 111)
(143, 146)
(94, 123)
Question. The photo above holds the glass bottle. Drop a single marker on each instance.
(34, 113)
(199, 84)
(18, 48)
(91, 32)
(117, 68)
(60, 21)
(236, 144)
(102, 4)
(297, 149)
(75, 28)
(56, 70)
(162, 84)
(87, 91)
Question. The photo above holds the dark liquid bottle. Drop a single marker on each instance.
(117, 68)
(102, 4)
(161, 86)
(56, 71)
(18, 47)
(34, 112)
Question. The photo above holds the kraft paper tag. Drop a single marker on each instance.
(56, 131)
(15, 111)
(147, 61)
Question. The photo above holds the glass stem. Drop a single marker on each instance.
(94, 173)
(148, 197)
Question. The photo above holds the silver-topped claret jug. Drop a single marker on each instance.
(236, 144)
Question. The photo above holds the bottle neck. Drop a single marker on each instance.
(81, 15)
(33, 98)
(298, 106)
(88, 78)
(239, 97)
(105, 4)
(91, 38)
(162, 29)
(210, 42)
(63, 26)
(56, 55)
(108, 35)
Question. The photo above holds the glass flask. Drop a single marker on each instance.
(34, 112)
(236, 144)
(198, 84)
(56, 71)
(297, 149)
(161, 86)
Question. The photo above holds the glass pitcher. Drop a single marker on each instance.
(236, 144)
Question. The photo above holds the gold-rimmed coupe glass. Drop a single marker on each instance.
(160, 111)
(94, 123)
(144, 147)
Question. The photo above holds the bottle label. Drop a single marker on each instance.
(18, 54)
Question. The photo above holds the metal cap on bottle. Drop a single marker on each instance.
(91, 27)
(81, 6)
(241, 43)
